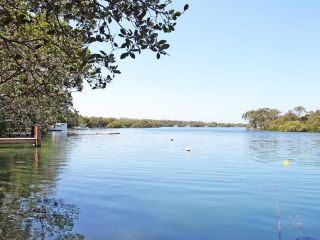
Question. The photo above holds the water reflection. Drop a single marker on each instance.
(36, 217)
(300, 148)
(28, 209)
(141, 186)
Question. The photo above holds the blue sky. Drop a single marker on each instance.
(226, 57)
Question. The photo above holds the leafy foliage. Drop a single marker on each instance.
(67, 28)
(46, 49)
(296, 120)
(261, 118)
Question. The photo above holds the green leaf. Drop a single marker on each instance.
(165, 46)
(124, 55)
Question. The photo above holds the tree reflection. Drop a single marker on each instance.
(37, 218)
(268, 147)
(27, 208)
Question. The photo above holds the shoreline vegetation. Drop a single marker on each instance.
(101, 122)
(295, 120)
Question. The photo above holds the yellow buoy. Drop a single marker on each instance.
(286, 163)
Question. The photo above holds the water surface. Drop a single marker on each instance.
(140, 185)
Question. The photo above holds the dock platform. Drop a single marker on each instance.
(16, 140)
(36, 140)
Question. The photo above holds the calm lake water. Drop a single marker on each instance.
(140, 185)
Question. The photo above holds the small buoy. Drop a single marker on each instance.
(171, 139)
(188, 149)
(286, 163)
(297, 225)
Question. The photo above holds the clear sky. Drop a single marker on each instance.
(226, 57)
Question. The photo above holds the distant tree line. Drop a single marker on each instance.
(295, 120)
(101, 122)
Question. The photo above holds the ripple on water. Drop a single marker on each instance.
(140, 185)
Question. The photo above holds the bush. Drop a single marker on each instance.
(293, 126)
(313, 122)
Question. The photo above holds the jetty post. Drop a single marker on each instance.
(37, 135)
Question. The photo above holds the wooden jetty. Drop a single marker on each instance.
(97, 133)
(36, 140)
(110, 133)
